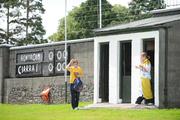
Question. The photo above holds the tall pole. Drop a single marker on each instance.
(100, 13)
(7, 34)
(65, 38)
(27, 19)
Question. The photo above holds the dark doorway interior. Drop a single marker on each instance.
(149, 47)
(104, 72)
(125, 71)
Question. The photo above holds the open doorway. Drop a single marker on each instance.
(104, 72)
(125, 72)
(149, 48)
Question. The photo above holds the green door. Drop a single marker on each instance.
(125, 71)
(104, 72)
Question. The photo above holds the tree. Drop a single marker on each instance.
(140, 8)
(122, 14)
(88, 17)
(24, 22)
(73, 27)
(84, 19)
(8, 13)
(32, 23)
(81, 21)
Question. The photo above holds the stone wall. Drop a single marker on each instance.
(27, 90)
(24, 90)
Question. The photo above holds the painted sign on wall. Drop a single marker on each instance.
(56, 58)
(47, 62)
(30, 57)
(28, 69)
(29, 64)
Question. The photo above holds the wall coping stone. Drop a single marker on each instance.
(5, 45)
(52, 44)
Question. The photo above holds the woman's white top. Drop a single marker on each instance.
(147, 65)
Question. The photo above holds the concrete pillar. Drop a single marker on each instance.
(96, 72)
(113, 73)
(135, 76)
(4, 68)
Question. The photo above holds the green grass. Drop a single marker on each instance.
(64, 112)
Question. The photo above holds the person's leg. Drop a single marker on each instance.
(147, 101)
(73, 97)
(139, 100)
(77, 99)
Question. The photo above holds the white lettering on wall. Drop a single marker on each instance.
(27, 69)
(31, 57)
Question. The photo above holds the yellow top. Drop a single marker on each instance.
(74, 70)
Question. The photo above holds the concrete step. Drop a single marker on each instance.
(120, 106)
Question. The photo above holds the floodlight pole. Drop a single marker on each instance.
(65, 39)
(100, 13)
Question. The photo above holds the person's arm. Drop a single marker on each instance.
(139, 67)
(145, 68)
(69, 65)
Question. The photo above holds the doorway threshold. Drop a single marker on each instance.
(120, 106)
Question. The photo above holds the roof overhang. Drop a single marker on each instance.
(130, 30)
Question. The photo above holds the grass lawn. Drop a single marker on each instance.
(64, 112)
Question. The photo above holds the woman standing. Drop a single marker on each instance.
(75, 72)
(145, 70)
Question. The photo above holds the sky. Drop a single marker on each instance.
(55, 10)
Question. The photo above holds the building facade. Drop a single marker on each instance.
(117, 51)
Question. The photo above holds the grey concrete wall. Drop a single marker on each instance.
(4, 68)
(84, 52)
(173, 65)
(162, 67)
(28, 89)
(1, 74)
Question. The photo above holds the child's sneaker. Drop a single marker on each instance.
(76, 108)
(149, 104)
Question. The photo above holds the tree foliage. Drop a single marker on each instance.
(140, 8)
(73, 27)
(22, 28)
(121, 15)
(8, 13)
(81, 21)
(32, 23)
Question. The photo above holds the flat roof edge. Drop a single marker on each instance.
(6, 45)
(159, 11)
(129, 30)
(53, 43)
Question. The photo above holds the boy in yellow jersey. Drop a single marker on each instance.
(145, 70)
(75, 72)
